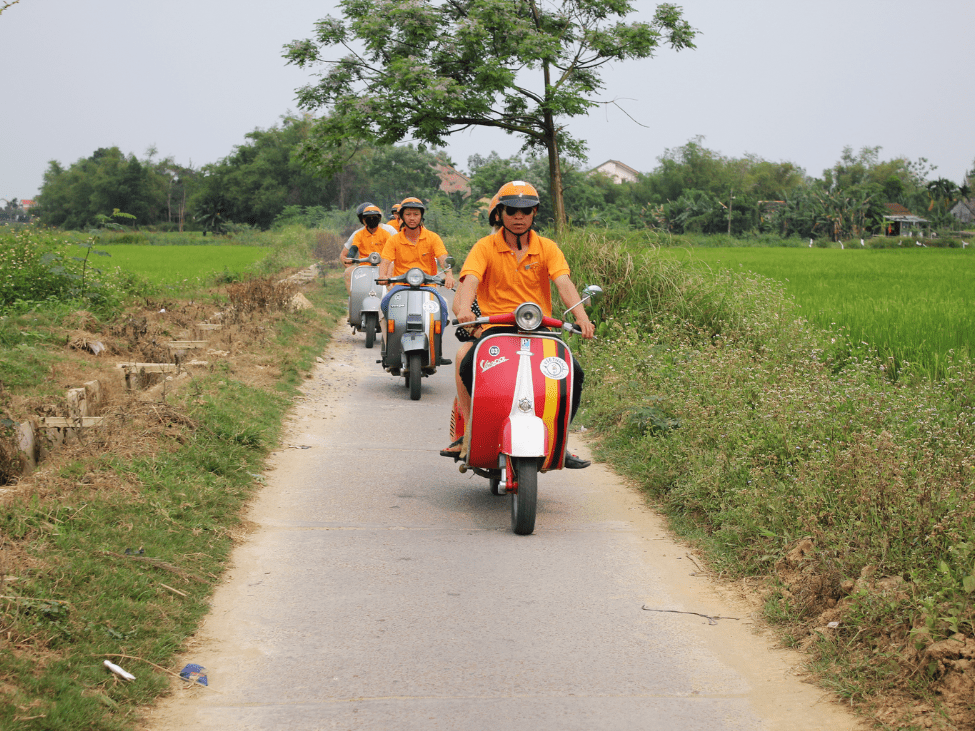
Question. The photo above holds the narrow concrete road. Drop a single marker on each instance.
(381, 589)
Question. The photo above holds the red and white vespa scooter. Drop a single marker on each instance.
(521, 402)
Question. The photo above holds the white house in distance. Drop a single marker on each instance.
(617, 171)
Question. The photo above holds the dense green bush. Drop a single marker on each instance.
(40, 266)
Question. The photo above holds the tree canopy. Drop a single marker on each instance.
(427, 70)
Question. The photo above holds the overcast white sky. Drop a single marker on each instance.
(792, 80)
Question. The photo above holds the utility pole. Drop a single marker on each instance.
(731, 199)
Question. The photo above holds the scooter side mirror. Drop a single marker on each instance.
(449, 262)
(374, 258)
(592, 292)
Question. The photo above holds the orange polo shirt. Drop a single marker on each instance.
(506, 282)
(406, 255)
(370, 242)
(395, 223)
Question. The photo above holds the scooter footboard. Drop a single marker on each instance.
(520, 375)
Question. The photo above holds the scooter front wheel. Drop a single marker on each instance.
(524, 501)
(414, 375)
(372, 325)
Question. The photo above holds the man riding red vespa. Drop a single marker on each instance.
(503, 270)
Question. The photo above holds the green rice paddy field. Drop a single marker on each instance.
(175, 264)
(913, 304)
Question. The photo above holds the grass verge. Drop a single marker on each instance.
(846, 492)
(113, 553)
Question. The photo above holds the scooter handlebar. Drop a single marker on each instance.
(509, 319)
(401, 279)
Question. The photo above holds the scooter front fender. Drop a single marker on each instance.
(414, 341)
(524, 435)
(371, 304)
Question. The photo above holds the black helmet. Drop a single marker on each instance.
(362, 207)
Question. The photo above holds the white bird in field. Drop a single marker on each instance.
(861, 243)
(810, 243)
(964, 244)
(841, 245)
(918, 243)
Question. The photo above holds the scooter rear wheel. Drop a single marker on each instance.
(524, 502)
(414, 376)
(372, 325)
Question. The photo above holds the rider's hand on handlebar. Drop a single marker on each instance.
(449, 279)
(467, 316)
(588, 329)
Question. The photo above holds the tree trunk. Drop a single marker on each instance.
(555, 178)
(554, 166)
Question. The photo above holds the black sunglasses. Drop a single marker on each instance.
(512, 210)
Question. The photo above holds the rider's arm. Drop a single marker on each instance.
(343, 255)
(570, 296)
(448, 273)
(464, 298)
(386, 268)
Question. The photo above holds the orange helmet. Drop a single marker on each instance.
(518, 194)
(493, 212)
(411, 203)
(394, 210)
(371, 210)
(359, 209)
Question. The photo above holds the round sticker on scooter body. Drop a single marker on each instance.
(494, 350)
(430, 306)
(554, 368)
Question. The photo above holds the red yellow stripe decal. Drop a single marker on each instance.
(550, 411)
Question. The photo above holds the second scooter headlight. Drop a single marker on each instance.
(528, 316)
(414, 277)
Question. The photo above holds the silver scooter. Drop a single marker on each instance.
(365, 295)
(414, 328)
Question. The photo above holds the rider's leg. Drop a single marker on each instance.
(578, 377)
(348, 279)
(572, 461)
(463, 394)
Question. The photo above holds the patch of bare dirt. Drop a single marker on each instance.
(831, 607)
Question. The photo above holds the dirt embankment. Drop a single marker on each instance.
(184, 338)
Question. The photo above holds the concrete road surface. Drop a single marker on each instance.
(381, 589)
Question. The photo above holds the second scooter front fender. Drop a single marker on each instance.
(413, 342)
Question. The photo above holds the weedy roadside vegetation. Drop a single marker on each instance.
(838, 483)
(111, 548)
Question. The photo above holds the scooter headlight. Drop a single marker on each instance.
(528, 316)
(414, 277)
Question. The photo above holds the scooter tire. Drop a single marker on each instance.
(371, 326)
(414, 375)
(524, 502)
